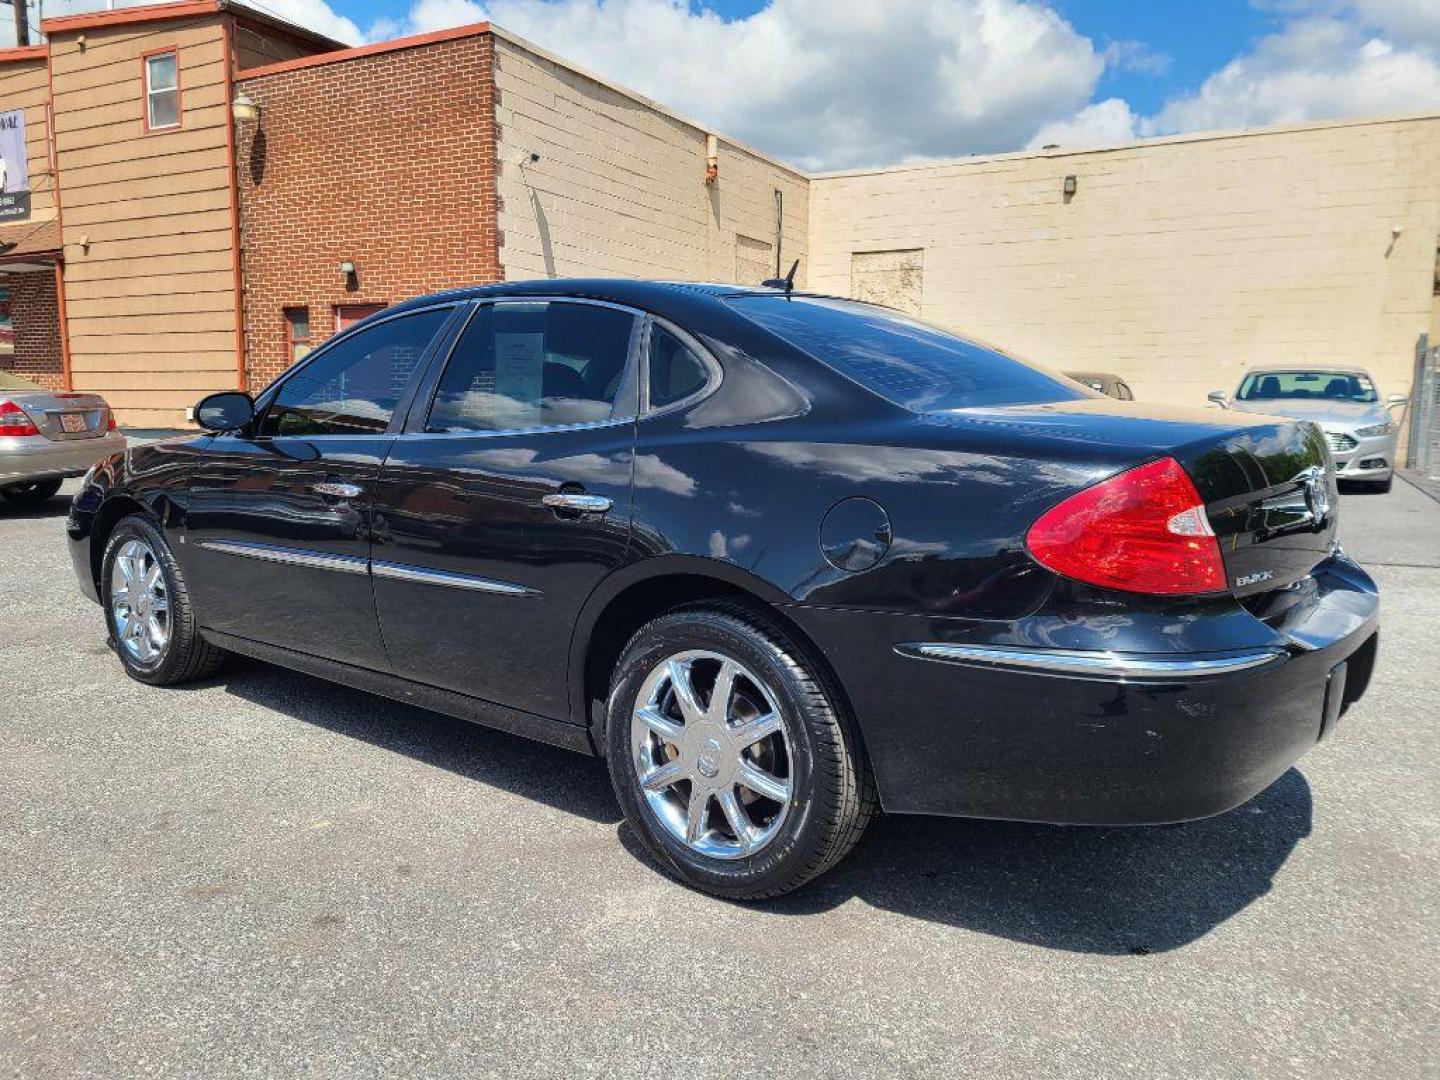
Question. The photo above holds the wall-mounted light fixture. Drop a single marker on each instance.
(347, 271)
(244, 108)
(1071, 183)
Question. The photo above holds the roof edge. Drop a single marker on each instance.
(634, 95)
(123, 16)
(15, 54)
(358, 51)
(1135, 144)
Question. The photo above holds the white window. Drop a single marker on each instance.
(162, 91)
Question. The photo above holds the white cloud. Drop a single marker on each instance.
(1315, 67)
(1106, 122)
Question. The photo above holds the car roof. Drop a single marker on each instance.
(1307, 369)
(638, 292)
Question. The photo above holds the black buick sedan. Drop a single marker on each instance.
(781, 559)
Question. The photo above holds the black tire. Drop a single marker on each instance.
(832, 792)
(185, 655)
(31, 492)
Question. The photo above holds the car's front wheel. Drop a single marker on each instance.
(734, 762)
(148, 608)
(31, 492)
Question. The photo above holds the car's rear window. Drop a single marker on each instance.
(915, 365)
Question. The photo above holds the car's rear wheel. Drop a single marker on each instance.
(734, 762)
(148, 608)
(32, 491)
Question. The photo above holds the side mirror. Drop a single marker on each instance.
(1218, 397)
(1396, 399)
(225, 411)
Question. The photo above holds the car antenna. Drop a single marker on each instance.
(787, 282)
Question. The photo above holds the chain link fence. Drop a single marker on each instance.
(1423, 454)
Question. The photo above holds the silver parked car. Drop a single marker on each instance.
(1342, 400)
(46, 436)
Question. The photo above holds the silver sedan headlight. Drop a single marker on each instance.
(1376, 430)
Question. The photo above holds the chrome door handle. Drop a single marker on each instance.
(338, 489)
(578, 503)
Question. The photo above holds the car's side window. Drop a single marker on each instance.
(352, 387)
(536, 364)
(675, 371)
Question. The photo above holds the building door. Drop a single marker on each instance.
(500, 511)
(279, 521)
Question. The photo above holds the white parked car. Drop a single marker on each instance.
(1342, 400)
(46, 436)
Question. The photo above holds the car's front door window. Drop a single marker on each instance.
(353, 387)
(537, 364)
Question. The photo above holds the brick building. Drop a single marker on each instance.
(212, 191)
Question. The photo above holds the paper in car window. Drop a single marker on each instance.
(519, 362)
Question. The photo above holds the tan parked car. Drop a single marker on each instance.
(47, 435)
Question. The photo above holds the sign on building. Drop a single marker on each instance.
(14, 167)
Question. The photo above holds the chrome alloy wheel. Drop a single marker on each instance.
(139, 602)
(711, 754)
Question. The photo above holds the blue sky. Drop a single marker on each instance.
(834, 84)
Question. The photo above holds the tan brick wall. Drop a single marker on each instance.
(386, 161)
(1178, 263)
(35, 314)
(149, 280)
(619, 188)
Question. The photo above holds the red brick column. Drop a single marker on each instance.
(36, 316)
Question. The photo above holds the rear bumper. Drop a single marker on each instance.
(978, 734)
(38, 458)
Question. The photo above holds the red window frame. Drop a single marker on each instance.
(290, 339)
(145, 59)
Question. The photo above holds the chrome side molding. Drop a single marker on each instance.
(1120, 667)
(421, 576)
(316, 560)
(350, 564)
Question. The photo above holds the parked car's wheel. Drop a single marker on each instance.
(735, 764)
(31, 492)
(148, 609)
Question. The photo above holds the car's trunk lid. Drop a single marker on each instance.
(1266, 482)
(63, 416)
(1271, 498)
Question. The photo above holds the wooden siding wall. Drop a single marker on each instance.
(619, 188)
(151, 300)
(24, 84)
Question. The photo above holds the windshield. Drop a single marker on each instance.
(915, 365)
(1303, 385)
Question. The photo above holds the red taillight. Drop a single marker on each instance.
(110, 424)
(13, 420)
(1143, 531)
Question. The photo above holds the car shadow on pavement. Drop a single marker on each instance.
(1084, 889)
(57, 506)
(560, 778)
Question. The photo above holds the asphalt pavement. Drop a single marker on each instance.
(267, 875)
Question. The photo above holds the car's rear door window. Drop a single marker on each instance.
(537, 364)
(353, 386)
(676, 371)
(915, 365)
